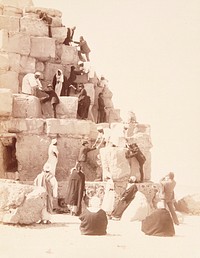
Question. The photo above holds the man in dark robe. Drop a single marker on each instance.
(82, 156)
(83, 103)
(159, 223)
(101, 109)
(93, 219)
(126, 198)
(75, 190)
(53, 98)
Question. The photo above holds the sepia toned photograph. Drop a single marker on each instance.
(99, 128)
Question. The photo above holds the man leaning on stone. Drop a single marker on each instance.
(31, 83)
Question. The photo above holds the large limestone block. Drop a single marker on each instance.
(18, 3)
(9, 80)
(25, 106)
(69, 55)
(5, 102)
(26, 126)
(114, 163)
(33, 27)
(70, 127)
(3, 40)
(42, 48)
(59, 33)
(189, 204)
(82, 78)
(49, 11)
(27, 64)
(4, 62)
(14, 62)
(21, 204)
(67, 108)
(19, 43)
(10, 23)
(12, 11)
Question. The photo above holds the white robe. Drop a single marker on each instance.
(53, 158)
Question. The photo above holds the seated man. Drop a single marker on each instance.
(159, 223)
(93, 219)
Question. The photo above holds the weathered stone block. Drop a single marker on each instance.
(5, 102)
(67, 108)
(17, 3)
(12, 11)
(33, 27)
(114, 163)
(25, 106)
(27, 64)
(57, 22)
(189, 204)
(19, 43)
(69, 55)
(42, 48)
(3, 40)
(21, 204)
(82, 78)
(49, 11)
(73, 127)
(14, 62)
(59, 33)
(10, 23)
(9, 80)
(26, 126)
(4, 63)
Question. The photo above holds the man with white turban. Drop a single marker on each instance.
(31, 83)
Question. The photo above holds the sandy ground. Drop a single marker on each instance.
(62, 239)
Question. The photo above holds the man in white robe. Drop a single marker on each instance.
(30, 83)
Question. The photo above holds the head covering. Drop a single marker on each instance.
(54, 141)
(47, 167)
(80, 62)
(99, 127)
(84, 142)
(132, 179)
(171, 175)
(37, 73)
(59, 78)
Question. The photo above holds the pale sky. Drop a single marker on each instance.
(150, 53)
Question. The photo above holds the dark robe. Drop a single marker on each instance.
(127, 196)
(75, 190)
(53, 97)
(101, 111)
(71, 79)
(158, 223)
(83, 104)
(64, 90)
(93, 223)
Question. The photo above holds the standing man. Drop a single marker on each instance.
(75, 190)
(84, 49)
(48, 181)
(69, 38)
(53, 155)
(101, 109)
(31, 83)
(168, 184)
(82, 157)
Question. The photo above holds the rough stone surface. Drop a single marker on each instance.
(10, 80)
(49, 11)
(114, 162)
(189, 204)
(19, 43)
(20, 204)
(26, 126)
(5, 102)
(59, 33)
(12, 11)
(69, 55)
(9, 23)
(14, 62)
(4, 63)
(27, 64)
(17, 3)
(33, 27)
(50, 71)
(3, 40)
(25, 106)
(42, 48)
